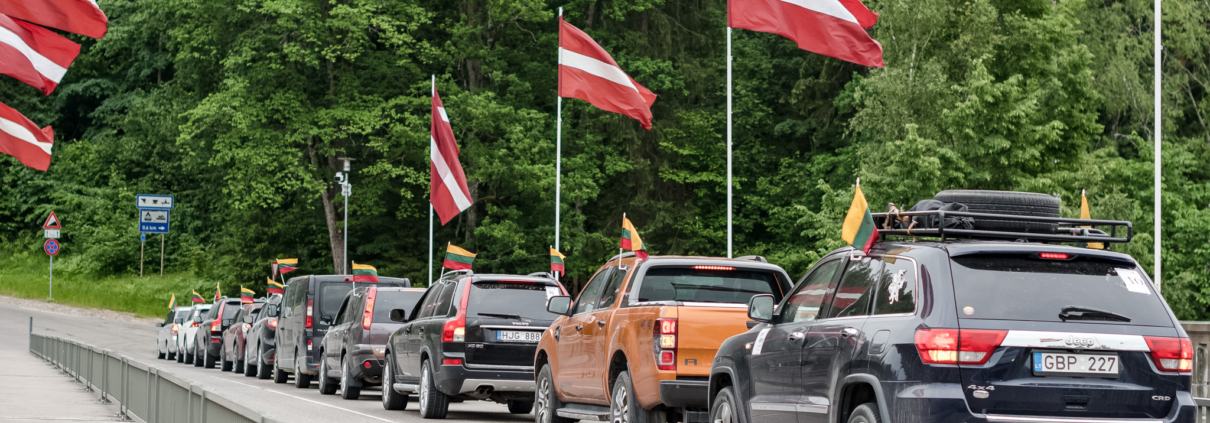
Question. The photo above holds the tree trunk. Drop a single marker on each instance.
(336, 234)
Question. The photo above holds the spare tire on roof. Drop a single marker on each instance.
(1006, 202)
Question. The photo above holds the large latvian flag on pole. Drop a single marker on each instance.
(556, 261)
(20, 138)
(589, 73)
(859, 230)
(274, 287)
(82, 17)
(34, 55)
(631, 240)
(364, 273)
(197, 298)
(457, 258)
(834, 28)
(246, 295)
(447, 183)
(285, 266)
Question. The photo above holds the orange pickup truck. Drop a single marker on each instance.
(637, 345)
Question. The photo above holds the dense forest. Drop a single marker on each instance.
(241, 108)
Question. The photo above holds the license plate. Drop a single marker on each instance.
(518, 336)
(1083, 364)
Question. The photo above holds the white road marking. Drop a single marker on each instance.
(329, 405)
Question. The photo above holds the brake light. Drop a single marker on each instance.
(454, 330)
(216, 325)
(175, 328)
(1054, 256)
(272, 323)
(310, 311)
(727, 268)
(451, 362)
(367, 364)
(368, 316)
(1171, 354)
(665, 343)
(193, 324)
(958, 346)
(308, 345)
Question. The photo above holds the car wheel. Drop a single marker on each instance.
(520, 407)
(208, 360)
(161, 354)
(301, 381)
(347, 390)
(624, 408)
(180, 355)
(391, 400)
(279, 375)
(866, 413)
(546, 400)
(433, 403)
(724, 409)
(224, 364)
(326, 385)
(171, 356)
(249, 366)
(263, 371)
(197, 359)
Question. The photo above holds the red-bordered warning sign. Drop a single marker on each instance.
(52, 222)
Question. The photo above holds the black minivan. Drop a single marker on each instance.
(309, 307)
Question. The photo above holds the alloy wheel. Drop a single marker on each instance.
(424, 390)
(542, 401)
(387, 381)
(724, 415)
(620, 408)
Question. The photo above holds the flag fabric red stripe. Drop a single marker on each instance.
(22, 139)
(76, 16)
(33, 54)
(589, 73)
(447, 186)
(826, 27)
(453, 265)
(864, 16)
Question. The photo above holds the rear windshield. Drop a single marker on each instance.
(181, 314)
(332, 295)
(385, 301)
(230, 310)
(691, 284)
(1026, 288)
(506, 300)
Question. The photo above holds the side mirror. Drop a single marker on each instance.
(159, 325)
(248, 319)
(760, 308)
(560, 304)
(399, 315)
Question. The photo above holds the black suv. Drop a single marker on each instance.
(963, 330)
(472, 337)
(308, 307)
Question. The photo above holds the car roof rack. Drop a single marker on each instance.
(455, 273)
(1068, 230)
(758, 259)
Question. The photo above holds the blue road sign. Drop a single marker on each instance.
(142, 237)
(154, 202)
(153, 221)
(51, 247)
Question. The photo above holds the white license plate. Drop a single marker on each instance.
(1086, 364)
(518, 336)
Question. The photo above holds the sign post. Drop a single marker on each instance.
(153, 219)
(142, 246)
(52, 247)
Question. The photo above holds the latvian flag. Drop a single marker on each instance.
(588, 73)
(364, 273)
(33, 54)
(197, 298)
(457, 258)
(245, 295)
(76, 16)
(447, 184)
(273, 287)
(834, 28)
(22, 139)
(631, 240)
(273, 267)
(859, 230)
(285, 266)
(556, 261)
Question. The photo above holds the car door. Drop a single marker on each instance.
(409, 367)
(833, 340)
(575, 373)
(331, 340)
(777, 351)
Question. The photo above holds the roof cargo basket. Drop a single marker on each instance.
(1068, 230)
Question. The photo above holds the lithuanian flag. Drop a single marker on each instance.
(197, 298)
(556, 261)
(859, 230)
(218, 292)
(1086, 214)
(364, 273)
(285, 266)
(631, 240)
(457, 258)
(172, 302)
(245, 295)
(275, 288)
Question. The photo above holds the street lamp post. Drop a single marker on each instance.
(346, 189)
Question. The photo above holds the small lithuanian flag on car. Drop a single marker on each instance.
(556, 260)
(457, 258)
(275, 287)
(285, 266)
(172, 302)
(197, 298)
(631, 240)
(364, 273)
(859, 230)
(245, 295)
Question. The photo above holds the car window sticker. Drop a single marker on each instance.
(897, 282)
(968, 310)
(760, 342)
(553, 291)
(1134, 281)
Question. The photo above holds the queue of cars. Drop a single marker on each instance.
(954, 315)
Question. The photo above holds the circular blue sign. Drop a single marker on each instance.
(51, 247)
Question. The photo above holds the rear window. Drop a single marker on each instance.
(331, 296)
(706, 284)
(1025, 288)
(230, 310)
(526, 300)
(385, 301)
(181, 314)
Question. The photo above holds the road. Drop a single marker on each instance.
(285, 402)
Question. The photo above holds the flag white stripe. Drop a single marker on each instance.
(831, 8)
(447, 177)
(44, 66)
(595, 67)
(444, 117)
(15, 129)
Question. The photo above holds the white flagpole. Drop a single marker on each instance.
(431, 203)
(558, 144)
(729, 233)
(1158, 137)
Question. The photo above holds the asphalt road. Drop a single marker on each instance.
(284, 402)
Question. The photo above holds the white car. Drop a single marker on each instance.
(186, 335)
(166, 342)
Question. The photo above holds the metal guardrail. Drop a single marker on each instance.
(143, 393)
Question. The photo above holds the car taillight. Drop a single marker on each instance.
(1053, 256)
(664, 344)
(723, 268)
(958, 346)
(367, 317)
(309, 345)
(272, 323)
(455, 329)
(451, 362)
(1171, 354)
(175, 328)
(193, 324)
(216, 325)
(310, 312)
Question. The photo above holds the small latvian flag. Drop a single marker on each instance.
(275, 287)
(273, 266)
(458, 259)
(556, 261)
(285, 266)
(172, 302)
(197, 298)
(218, 292)
(859, 230)
(631, 240)
(364, 273)
(245, 295)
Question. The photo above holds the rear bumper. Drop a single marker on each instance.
(365, 366)
(456, 379)
(685, 393)
(946, 403)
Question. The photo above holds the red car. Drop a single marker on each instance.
(231, 355)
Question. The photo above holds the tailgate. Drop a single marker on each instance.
(701, 330)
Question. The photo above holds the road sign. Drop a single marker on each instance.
(154, 202)
(52, 234)
(142, 237)
(153, 221)
(51, 247)
(52, 222)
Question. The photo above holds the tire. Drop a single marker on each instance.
(327, 386)
(210, 360)
(171, 356)
(434, 404)
(279, 375)
(725, 408)
(391, 400)
(263, 371)
(180, 355)
(301, 381)
(347, 390)
(249, 368)
(520, 407)
(1006, 202)
(866, 413)
(546, 400)
(197, 359)
(625, 408)
(224, 364)
(161, 356)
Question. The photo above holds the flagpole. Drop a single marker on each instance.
(447, 251)
(1158, 140)
(558, 144)
(620, 244)
(729, 233)
(430, 266)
